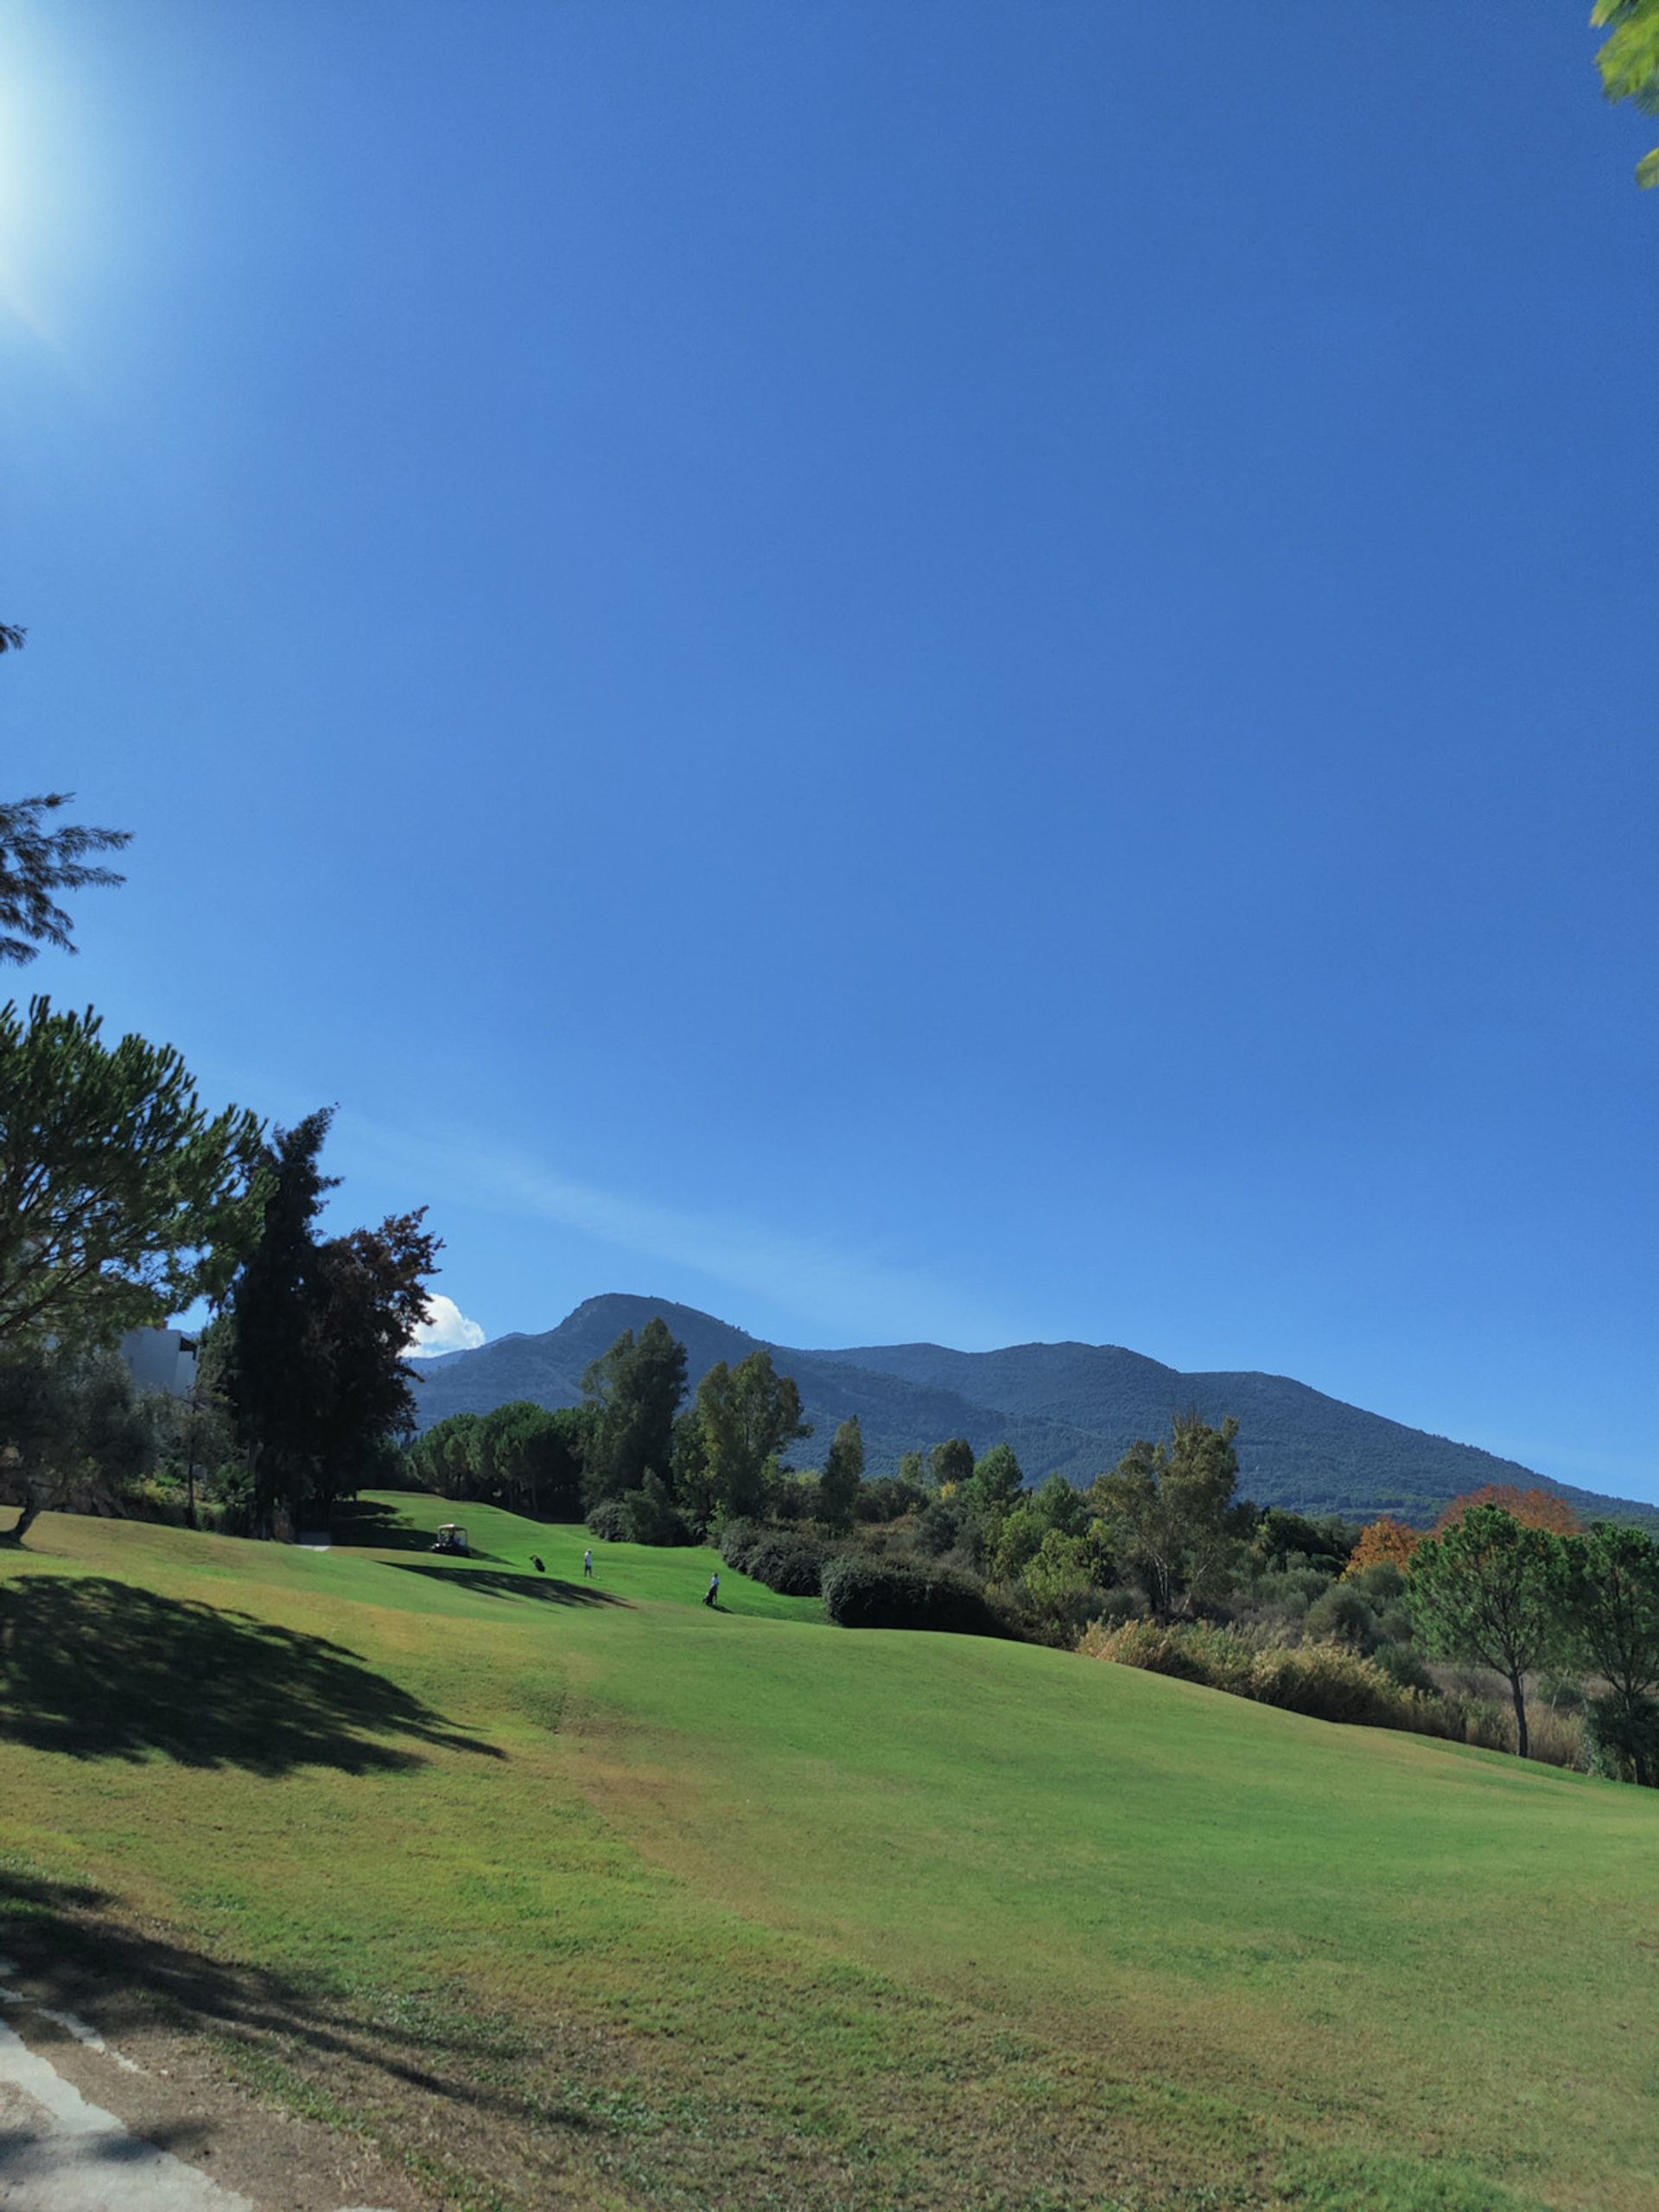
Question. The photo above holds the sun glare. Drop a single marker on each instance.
(47, 226)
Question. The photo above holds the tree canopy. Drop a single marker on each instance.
(309, 1350)
(745, 1415)
(522, 1456)
(1171, 1509)
(951, 1462)
(636, 1387)
(71, 1430)
(1533, 1509)
(36, 863)
(1628, 59)
(1490, 1590)
(843, 1471)
(121, 1199)
(1612, 1616)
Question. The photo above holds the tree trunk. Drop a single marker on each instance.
(1517, 1691)
(30, 1513)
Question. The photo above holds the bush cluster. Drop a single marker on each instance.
(787, 1560)
(167, 1503)
(791, 1564)
(1328, 1681)
(861, 1592)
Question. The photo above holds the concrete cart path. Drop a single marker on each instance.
(61, 2152)
(58, 2153)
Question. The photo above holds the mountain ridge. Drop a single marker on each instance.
(1072, 1408)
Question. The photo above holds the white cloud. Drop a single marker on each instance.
(446, 1328)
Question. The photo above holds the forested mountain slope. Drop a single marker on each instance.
(1072, 1407)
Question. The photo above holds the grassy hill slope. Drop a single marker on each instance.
(591, 1895)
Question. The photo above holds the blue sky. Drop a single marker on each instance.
(975, 672)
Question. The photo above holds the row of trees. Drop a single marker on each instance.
(1506, 1582)
(521, 1456)
(123, 1201)
(635, 1445)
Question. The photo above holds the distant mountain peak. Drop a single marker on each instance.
(1071, 1408)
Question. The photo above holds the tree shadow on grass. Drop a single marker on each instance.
(485, 1582)
(102, 1670)
(71, 1948)
(366, 1524)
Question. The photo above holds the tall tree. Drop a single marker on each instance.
(1491, 1591)
(951, 1462)
(747, 1414)
(1629, 61)
(310, 1355)
(995, 1486)
(1383, 1543)
(844, 1470)
(269, 1354)
(373, 1296)
(121, 1199)
(637, 1387)
(1612, 1622)
(1171, 1510)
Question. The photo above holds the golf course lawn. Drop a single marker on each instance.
(590, 1894)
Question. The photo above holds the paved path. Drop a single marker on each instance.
(57, 2153)
(61, 2153)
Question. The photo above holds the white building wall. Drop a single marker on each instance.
(161, 1359)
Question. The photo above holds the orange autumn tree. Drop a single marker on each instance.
(1385, 1543)
(1533, 1509)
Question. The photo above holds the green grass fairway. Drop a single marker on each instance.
(587, 1894)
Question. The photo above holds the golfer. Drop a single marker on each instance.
(587, 1566)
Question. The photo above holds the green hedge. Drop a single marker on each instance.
(861, 1592)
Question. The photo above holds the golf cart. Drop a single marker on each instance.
(451, 1537)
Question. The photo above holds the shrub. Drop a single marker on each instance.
(1341, 1616)
(1380, 1584)
(652, 1516)
(940, 1528)
(1401, 1663)
(860, 1591)
(1192, 1653)
(1332, 1681)
(736, 1540)
(1327, 1681)
(169, 1504)
(791, 1564)
(1620, 1735)
(1565, 1692)
(887, 1498)
(1123, 1602)
(1477, 1719)
(1559, 1739)
(609, 1521)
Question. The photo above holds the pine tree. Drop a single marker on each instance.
(843, 1471)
